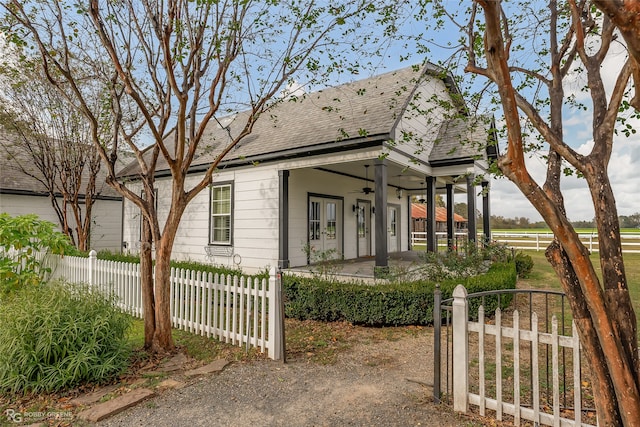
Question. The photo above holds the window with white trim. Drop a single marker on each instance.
(221, 214)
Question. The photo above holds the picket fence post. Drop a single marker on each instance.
(276, 341)
(93, 257)
(460, 366)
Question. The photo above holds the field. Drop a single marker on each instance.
(546, 230)
(540, 239)
(543, 276)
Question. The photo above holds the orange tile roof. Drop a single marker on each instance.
(419, 210)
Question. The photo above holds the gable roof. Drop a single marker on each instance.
(464, 138)
(14, 180)
(419, 210)
(361, 113)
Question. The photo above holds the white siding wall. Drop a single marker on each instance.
(255, 220)
(107, 217)
(255, 216)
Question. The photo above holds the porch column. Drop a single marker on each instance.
(283, 219)
(486, 213)
(382, 266)
(409, 222)
(471, 209)
(450, 218)
(431, 214)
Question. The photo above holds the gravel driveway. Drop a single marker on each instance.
(372, 384)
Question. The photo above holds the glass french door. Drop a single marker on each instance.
(363, 218)
(325, 224)
(393, 228)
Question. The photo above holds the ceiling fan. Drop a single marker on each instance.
(366, 189)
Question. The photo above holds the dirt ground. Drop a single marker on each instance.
(374, 383)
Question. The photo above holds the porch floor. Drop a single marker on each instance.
(360, 268)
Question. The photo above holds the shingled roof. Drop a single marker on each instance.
(366, 110)
(15, 178)
(463, 138)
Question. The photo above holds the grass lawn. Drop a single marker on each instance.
(543, 276)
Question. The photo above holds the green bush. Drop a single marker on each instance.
(524, 264)
(392, 304)
(21, 238)
(57, 336)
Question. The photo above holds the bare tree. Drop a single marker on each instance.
(49, 141)
(173, 67)
(530, 52)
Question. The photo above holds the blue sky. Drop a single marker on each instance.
(506, 199)
(623, 166)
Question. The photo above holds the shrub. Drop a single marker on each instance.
(393, 304)
(56, 336)
(21, 238)
(188, 265)
(524, 264)
(470, 261)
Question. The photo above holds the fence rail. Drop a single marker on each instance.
(540, 241)
(528, 240)
(237, 310)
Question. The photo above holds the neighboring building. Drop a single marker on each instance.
(22, 194)
(333, 169)
(419, 219)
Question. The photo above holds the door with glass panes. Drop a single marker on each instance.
(325, 224)
(363, 218)
(393, 228)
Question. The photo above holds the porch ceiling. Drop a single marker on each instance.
(411, 181)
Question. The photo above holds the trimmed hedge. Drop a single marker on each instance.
(393, 304)
(187, 265)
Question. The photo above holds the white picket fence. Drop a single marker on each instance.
(534, 411)
(236, 310)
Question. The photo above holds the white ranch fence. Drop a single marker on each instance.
(540, 241)
(529, 240)
(492, 337)
(236, 310)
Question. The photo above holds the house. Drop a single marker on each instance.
(22, 194)
(419, 219)
(332, 170)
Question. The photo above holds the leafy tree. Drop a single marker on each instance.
(460, 209)
(530, 53)
(173, 68)
(47, 140)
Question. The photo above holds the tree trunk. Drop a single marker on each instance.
(604, 393)
(163, 338)
(146, 279)
(614, 278)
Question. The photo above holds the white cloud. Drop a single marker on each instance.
(508, 201)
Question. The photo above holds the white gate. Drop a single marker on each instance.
(493, 337)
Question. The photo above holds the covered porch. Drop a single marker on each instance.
(362, 269)
(369, 191)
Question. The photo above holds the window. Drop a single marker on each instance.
(393, 222)
(331, 221)
(221, 211)
(314, 220)
(362, 223)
